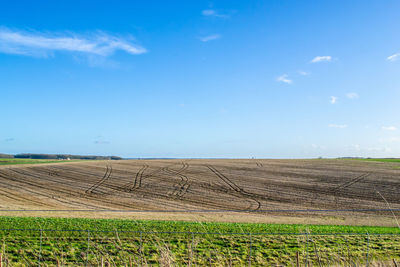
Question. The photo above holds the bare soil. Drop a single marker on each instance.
(285, 191)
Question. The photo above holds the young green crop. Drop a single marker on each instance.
(182, 226)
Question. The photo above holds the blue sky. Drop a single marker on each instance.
(274, 79)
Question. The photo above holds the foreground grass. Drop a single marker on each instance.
(13, 161)
(216, 244)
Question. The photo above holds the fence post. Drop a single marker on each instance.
(316, 253)
(192, 252)
(307, 250)
(367, 262)
(40, 248)
(251, 244)
(140, 249)
(88, 247)
(1, 259)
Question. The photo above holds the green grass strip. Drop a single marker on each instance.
(182, 226)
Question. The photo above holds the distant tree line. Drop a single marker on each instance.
(58, 156)
(6, 156)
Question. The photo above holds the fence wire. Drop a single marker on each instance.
(51, 247)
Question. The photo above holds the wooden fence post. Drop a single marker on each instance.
(307, 250)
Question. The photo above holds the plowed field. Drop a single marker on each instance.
(289, 188)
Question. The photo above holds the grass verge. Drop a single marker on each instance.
(7, 222)
(390, 160)
(216, 244)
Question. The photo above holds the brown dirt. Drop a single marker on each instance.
(254, 189)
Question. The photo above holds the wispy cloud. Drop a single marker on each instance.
(304, 73)
(358, 148)
(44, 44)
(101, 142)
(284, 78)
(208, 38)
(333, 100)
(389, 128)
(379, 149)
(393, 57)
(352, 95)
(393, 139)
(315, 146)
(9, 139)
(214, 13)
(321, 59)
(339, 126)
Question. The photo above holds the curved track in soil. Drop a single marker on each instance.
(183, 185)
(106, 176)
(236, 188)
(220, 185)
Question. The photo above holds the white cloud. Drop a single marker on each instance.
(209, 37)
(101, 142)
(321, 59)
(315, 146)
(304, 73)
(390, 140)
(284, 78)
(213, 13)
(352, 95)
(45, 44)
(393, 57)
(208, 12)
(379, 149)
(368, 150)
(333, 99)
(340, 126)
(389, 128)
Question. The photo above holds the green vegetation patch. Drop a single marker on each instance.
(391, 160)
(182, 226)
(190, 243)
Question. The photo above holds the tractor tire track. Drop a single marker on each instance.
(182, 187)
(69, 173)
(106, 176)
(64, 177)
(351, 182)
(128, 187)
(138, 179)
(225, 179)
(236, 188)
(102, 202)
